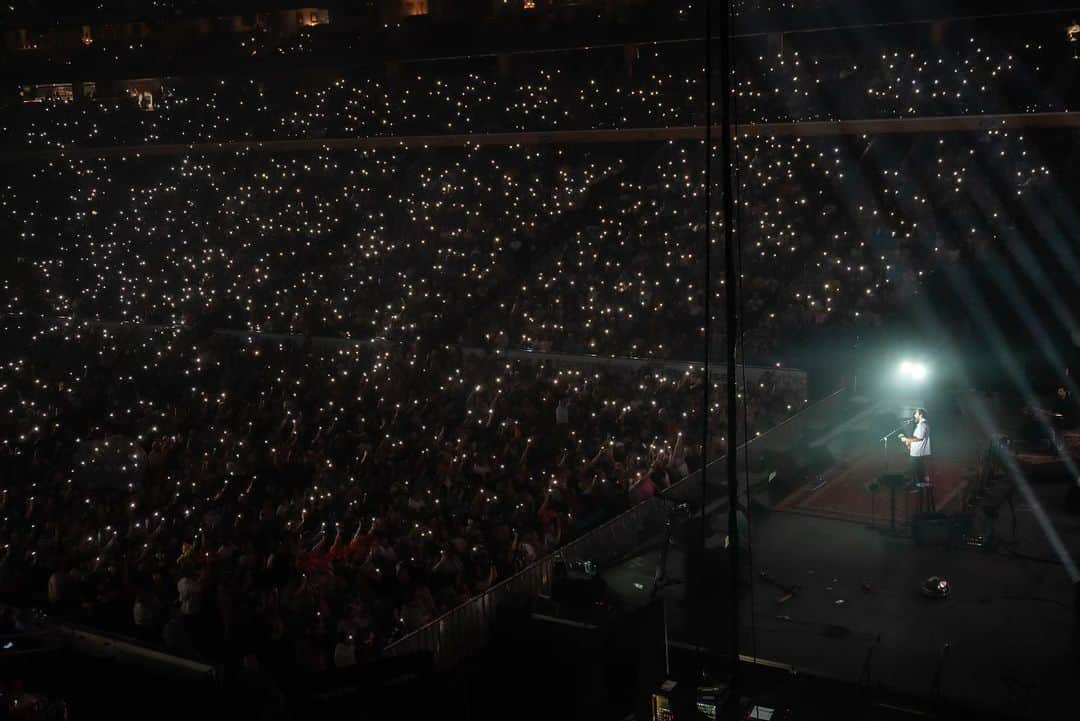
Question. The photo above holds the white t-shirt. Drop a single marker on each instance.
(190, 595)
(344, 655)
(143, 614)
(920, 443)
(57, 582)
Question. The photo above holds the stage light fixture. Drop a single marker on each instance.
(914, 371)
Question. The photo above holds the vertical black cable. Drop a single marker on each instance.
(732, 333)
(708, 291)
(738, 237)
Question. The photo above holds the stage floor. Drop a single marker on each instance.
(1009, 622)
(843, 494)
(854, 454)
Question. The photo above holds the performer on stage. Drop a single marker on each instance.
(918, 444)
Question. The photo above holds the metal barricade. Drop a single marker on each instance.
(459, 632)
(466, 628)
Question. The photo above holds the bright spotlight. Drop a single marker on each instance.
(914, 371)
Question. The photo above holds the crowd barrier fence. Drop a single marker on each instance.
(463, 630)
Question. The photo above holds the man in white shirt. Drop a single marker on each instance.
(918, 444)
(345, 651)
(189, 590)
(562, 412)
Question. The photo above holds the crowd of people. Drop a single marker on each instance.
(578, 249)
(307, 504)
(655, 85)
(173, 469)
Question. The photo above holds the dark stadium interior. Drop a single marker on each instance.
(606, 359)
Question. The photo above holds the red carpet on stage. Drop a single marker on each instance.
(842, 491)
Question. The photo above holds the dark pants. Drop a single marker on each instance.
(919, 471)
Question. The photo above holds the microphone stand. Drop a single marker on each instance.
(661, 580)
(885, 441)
(892, 486)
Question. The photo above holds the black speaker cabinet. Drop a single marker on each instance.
(931, 529)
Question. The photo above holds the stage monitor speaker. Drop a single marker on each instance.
(779, 486)
(784, 475)
(579, 594)
(931, 529)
